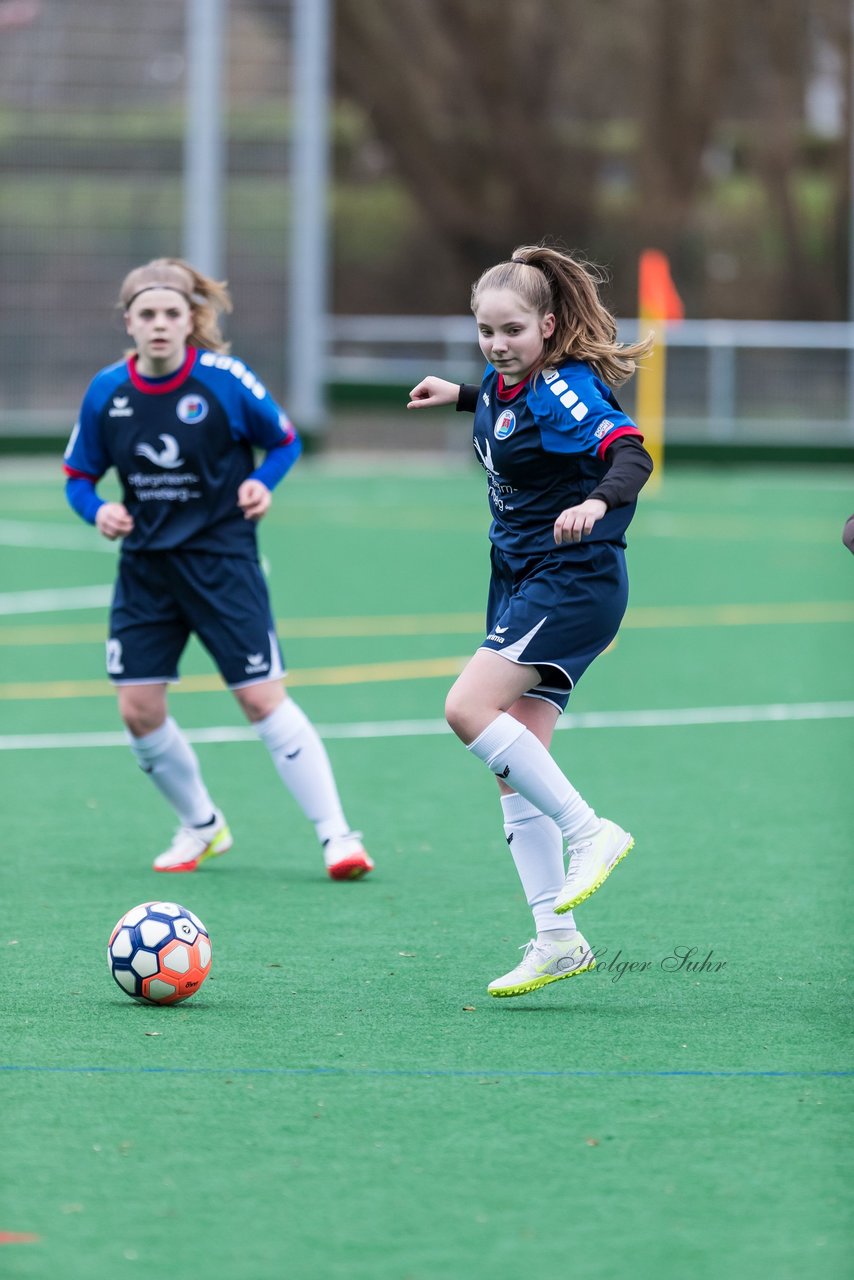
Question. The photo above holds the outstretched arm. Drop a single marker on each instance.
(431, 392)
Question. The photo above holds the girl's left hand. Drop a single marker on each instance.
(254, 499)
(572, 524)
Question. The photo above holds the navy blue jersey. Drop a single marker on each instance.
(542, 447)
(182, 446)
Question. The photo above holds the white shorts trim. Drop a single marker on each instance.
(541, 687)
(264, 679)
(275, 671)
(146, 680)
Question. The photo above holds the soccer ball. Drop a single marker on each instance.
(159, 952)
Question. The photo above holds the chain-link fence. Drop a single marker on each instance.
(92, 112)
(92, 146)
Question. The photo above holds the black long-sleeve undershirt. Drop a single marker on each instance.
(629, 468)
(629, 464)
(467, 399)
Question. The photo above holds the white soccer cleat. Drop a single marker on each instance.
(192, 846)
(590, 863)
(345, 857)
(545, 962)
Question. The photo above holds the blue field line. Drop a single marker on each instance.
(438, 1072)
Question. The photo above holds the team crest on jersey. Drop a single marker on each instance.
(505, 425)
(192, 409)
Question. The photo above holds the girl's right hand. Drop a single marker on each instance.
(114, 520)
(432, 392)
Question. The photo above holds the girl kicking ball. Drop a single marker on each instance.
(564, 466)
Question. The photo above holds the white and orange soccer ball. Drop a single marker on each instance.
(159, 952)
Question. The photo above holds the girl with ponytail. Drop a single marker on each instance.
(564, 465)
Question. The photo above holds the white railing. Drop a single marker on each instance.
(727, 380)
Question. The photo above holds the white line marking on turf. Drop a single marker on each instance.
(53, 537)
(55, 600)
(656, 719)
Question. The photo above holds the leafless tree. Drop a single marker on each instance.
(591, 123)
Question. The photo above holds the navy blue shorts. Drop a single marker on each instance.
(162, 597)
(556, 612)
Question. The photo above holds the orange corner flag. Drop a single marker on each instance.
(658, 301)
(657, 294)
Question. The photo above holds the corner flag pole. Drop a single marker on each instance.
(658, 302)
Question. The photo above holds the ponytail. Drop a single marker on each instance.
(550, 280)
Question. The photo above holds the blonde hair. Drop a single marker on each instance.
(207, 298)
(550, 280)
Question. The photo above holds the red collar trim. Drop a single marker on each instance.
(510, 393)
(158, 387)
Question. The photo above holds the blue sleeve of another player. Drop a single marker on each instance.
(85, 459)
(578, 413)
(270, 428)
(85, 454)
(82, 497)
(278, 462)
(253, 415)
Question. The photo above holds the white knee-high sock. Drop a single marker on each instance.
(537, 847)
(303, 765)
(171, 763)
(518, 757)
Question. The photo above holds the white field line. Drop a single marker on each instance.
(60, 599)
(656, 719)
(55, 600)
(54, 537)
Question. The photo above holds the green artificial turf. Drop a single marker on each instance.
(342, 1098)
